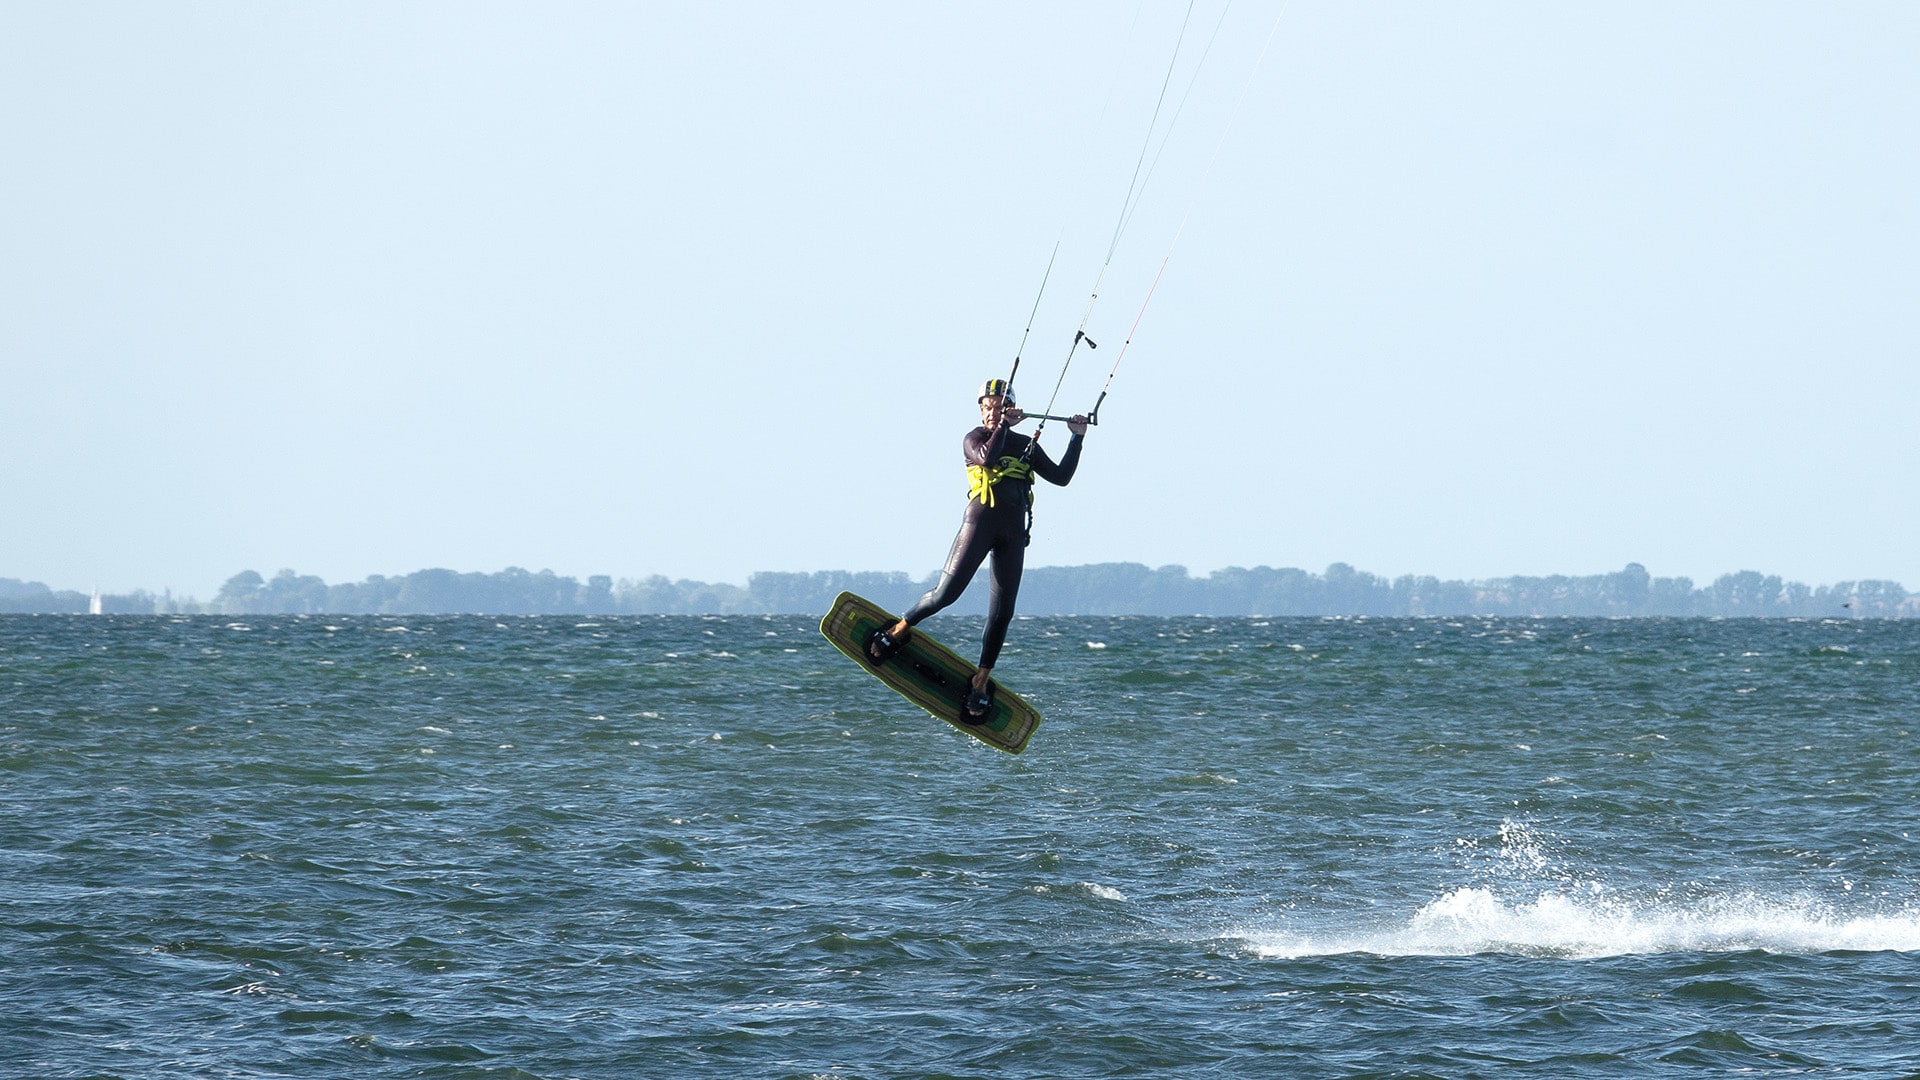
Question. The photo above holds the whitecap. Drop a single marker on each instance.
(1596, 923)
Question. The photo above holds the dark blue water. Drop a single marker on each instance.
(468, 847)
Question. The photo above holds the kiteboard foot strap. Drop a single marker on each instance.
(881, 646)
(979, 704)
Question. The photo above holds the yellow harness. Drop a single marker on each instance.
(982, 478)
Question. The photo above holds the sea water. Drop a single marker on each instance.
(714, 847)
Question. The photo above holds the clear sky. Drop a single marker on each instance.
(699, 289)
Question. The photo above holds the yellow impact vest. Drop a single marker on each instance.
(982, 478)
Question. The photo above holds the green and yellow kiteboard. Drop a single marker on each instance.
(928, 674)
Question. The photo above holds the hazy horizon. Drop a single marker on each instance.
(925, 576)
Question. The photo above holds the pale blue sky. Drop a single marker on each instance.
(1467, 289)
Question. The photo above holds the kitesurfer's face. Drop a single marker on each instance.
(990, 409)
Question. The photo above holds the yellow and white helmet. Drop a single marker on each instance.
(996, 388)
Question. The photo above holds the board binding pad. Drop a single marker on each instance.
(928, 674)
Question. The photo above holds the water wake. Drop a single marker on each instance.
(1474, 921)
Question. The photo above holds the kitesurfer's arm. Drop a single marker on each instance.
(985, 444)
(979, 442)
(1062, 471)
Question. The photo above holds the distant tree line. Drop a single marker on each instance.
(33, 598)
(1100, 589)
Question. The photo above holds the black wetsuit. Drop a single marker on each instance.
(999, 530)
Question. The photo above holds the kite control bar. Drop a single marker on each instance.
(1093, 418)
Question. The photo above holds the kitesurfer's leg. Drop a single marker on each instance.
(970, 547)
(1009, 560)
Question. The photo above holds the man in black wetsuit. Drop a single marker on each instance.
(1001, 465)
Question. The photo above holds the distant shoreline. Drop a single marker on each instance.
(1094, 589)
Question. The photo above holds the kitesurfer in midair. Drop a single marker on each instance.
(1001, 465)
